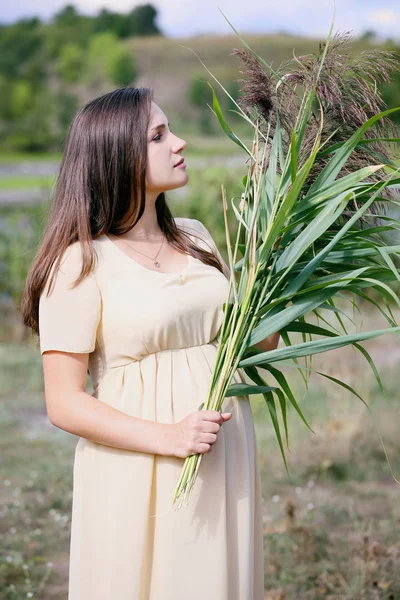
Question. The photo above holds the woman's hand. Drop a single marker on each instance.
(196, 433)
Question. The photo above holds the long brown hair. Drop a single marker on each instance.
(103, 165)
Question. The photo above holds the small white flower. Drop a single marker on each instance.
(311, 483)
(9, 559)
(299, 490)
(37, 531)
(50, 564)
(7, 482)
(276, 498)
(29, 595)
(17, 503)
(310, 506)
(25, 567)
(13, 530)
(33, 473)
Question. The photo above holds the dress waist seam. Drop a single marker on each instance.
(135, 360)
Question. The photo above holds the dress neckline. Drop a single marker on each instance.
(118, 249)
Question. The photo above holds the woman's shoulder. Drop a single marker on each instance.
(69, 262)
(189, 224)
(75, 252)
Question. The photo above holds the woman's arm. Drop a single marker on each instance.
(70, 408)
(269, 343)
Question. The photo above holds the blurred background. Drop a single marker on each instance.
(333, 530)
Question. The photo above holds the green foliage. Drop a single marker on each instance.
(5, 104)
(391, 96)
(123, 68)
(32, 131)
(21, 97)
(19, 42)
(203, 201)
(108, 21)
(20, 233)
(142, 19)
(233, 88)
(70, 62)
(139, 21)
(67, 27)
(67, 17)
(198, 92)
(65, 107)
(107, 60)
(199, 95)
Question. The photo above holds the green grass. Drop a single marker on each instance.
(16, 157)
(331, 533)
(25, 182)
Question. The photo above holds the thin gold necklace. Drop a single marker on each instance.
(157, 264)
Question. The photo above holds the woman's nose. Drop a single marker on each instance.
(181, 143)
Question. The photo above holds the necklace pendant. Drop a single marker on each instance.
(157, 264)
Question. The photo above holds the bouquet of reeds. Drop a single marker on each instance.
(314, 212)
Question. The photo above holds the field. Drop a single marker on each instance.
(330, 532)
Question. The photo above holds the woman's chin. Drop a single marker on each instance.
(184, 181)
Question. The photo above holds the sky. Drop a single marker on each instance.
(186, 18)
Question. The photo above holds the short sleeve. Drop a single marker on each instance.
(69, 317)
(202, 229)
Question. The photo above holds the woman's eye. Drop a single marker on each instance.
(157, 136)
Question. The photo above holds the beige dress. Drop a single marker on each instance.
(152, 343)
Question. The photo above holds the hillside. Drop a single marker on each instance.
(167, 65)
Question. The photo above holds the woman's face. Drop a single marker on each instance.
(164, 150)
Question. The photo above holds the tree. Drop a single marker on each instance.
(368, 36)
(142, 20)
(199, 94)
(67, 17)
(67, 27)
(32, 132)
(108, 60)
(108, 21)
(19, 42)
(66, 105)
(139, 21)
(122, 68)
(70, 63)
(21, 94)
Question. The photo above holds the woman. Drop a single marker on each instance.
(123, 290)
